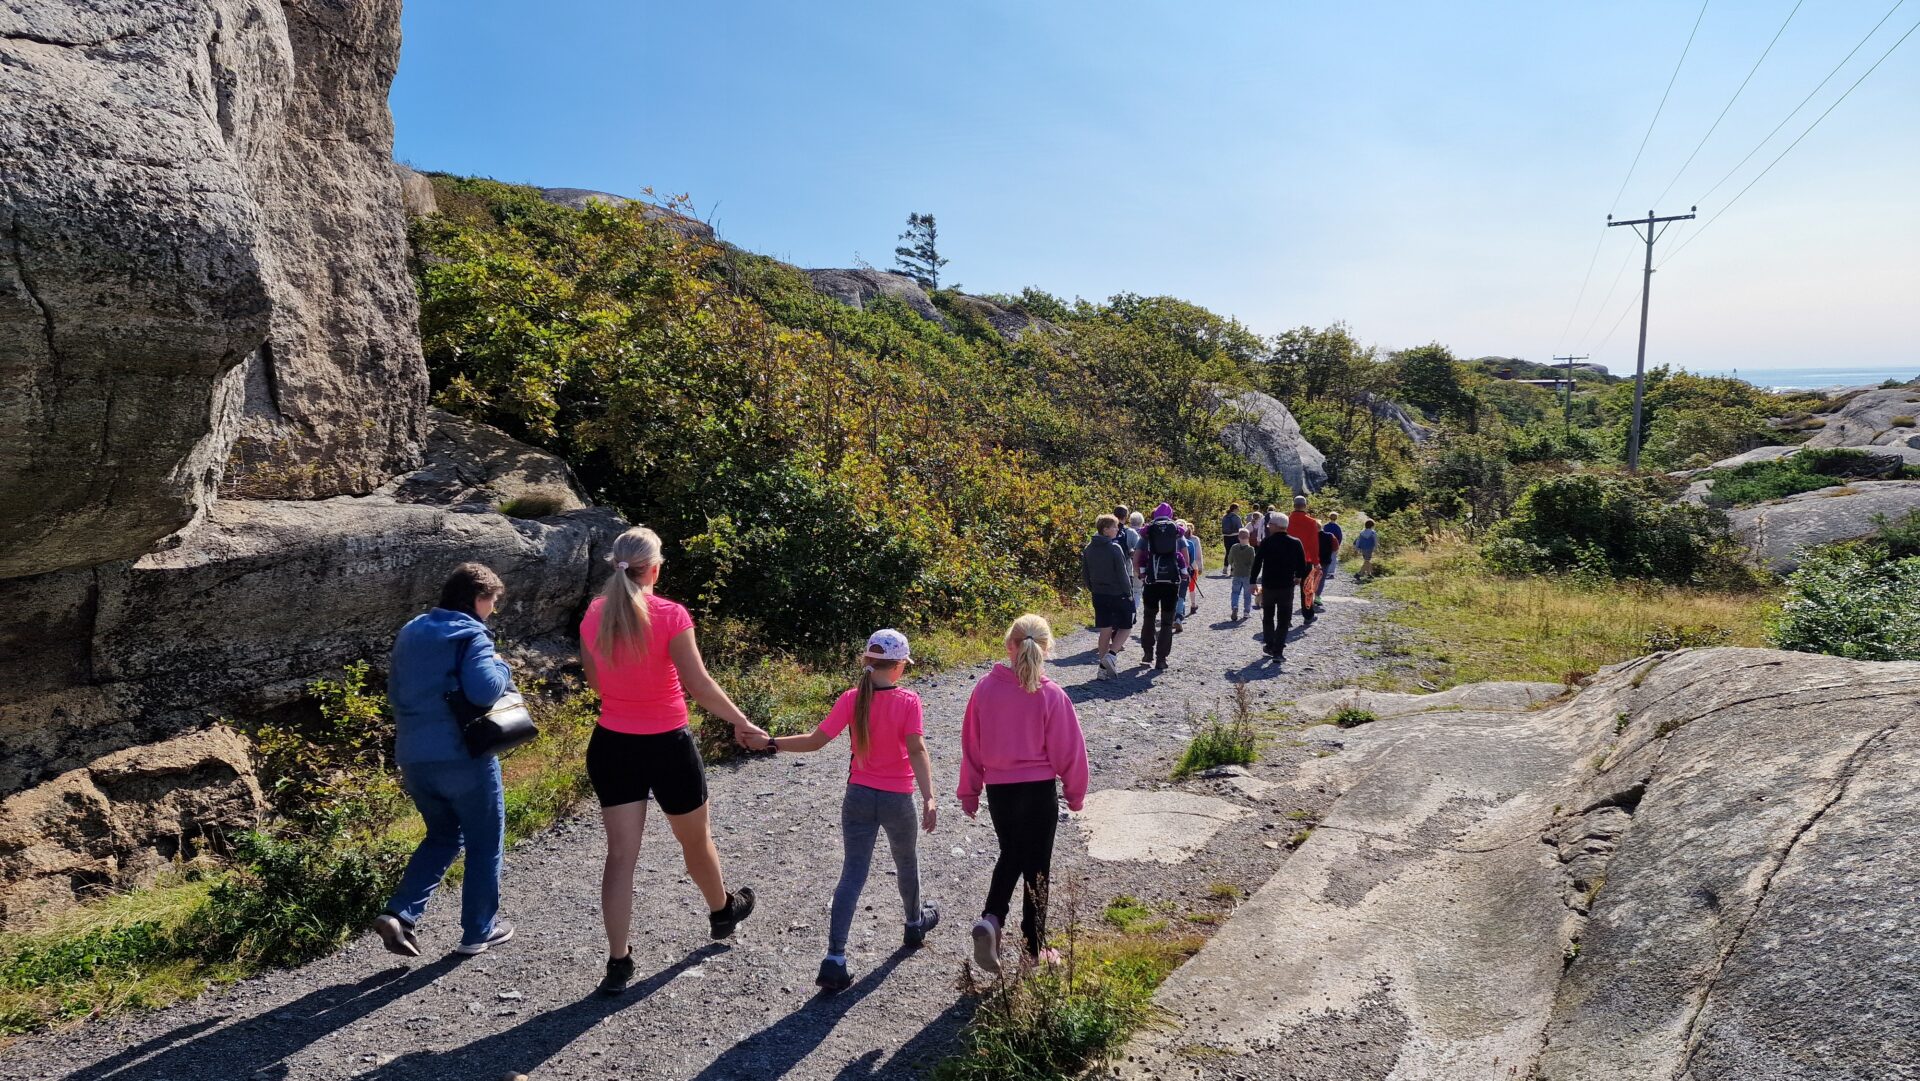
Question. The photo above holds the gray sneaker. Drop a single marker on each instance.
(916, 935)
(502, 932)
(397, 934)
(986, 944)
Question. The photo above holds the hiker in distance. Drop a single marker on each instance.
(1366, 544)
(1230, 525)
(1278, 564)
(1019, 735)
(1330, 559)
(640, 654)
(889, 760)
(1104, 567)
(1305, 528)
(1162, 566)
(444, 652)
(1135, 533)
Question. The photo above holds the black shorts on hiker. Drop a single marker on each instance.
(1112, 612)
(626, 768)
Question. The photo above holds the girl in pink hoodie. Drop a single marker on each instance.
(1019, 734)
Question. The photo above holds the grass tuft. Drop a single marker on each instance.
(1351, 717)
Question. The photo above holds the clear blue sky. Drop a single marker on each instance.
(1423, 171)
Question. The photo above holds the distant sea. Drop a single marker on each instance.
(1813, 378)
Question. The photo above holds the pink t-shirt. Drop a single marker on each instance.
(894, 714)
(641, 695)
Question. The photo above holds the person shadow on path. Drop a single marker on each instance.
(775, 1050)
(259, 1046)
(915, 1057)
(527, 1045)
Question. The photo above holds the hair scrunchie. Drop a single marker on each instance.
(622, 564)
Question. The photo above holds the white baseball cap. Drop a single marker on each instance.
(888, 645)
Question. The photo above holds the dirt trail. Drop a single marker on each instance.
(747, 1009)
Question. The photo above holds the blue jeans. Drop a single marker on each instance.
(864, 812)
(1333, 564)
(464, 807)
(1242, 595)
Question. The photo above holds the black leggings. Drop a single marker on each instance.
(1277, 616)
(1156, 629)
(1025, 815)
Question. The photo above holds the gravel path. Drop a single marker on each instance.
(747, 1009)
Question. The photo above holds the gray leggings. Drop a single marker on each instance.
(863, 813)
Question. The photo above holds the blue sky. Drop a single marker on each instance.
(1421, 170)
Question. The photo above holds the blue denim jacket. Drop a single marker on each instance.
(422, 673)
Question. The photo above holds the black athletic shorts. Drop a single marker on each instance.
(1112, 612)
(625, 768)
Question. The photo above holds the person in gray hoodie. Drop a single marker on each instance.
(1104, 569)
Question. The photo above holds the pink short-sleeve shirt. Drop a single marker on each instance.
(640, 695)
(893, 715)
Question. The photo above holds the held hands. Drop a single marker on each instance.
(929, 816)
(752, 736)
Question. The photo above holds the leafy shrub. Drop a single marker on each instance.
(1849, 602)
(1805, 471)
(1899, 538)
(292, 898)
(330, 775)
(1613, 526)
(1352, 717)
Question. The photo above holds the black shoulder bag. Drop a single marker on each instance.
(494, 729)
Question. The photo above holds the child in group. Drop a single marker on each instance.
(1240, 567)
(889, 760)
(1019, 734)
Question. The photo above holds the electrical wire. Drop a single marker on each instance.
(1711, 128)
(1600, 309)
(1796, 142)
(1803, 101)
(1662, 106)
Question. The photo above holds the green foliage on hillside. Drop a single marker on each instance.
(1805, 471)
(1610, 527)
(820, 470)
(1857, 599)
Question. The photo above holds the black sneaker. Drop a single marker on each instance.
(619, 974)
(739, 907)
(916, 935)
(833, 975)
(397, 934)
(502, 932)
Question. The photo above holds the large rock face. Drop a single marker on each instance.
(203, 258)
(257, 598)
(1878, 417)
(1695, 868)
(1263, 431)
(857, 288)
(1778, 532)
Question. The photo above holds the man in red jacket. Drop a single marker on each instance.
(1305, 528)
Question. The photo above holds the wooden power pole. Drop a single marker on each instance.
(1646, 293)
(1569, 411)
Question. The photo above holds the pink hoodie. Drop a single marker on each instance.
(1009, 736)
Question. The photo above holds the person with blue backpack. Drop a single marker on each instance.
(1162, 563)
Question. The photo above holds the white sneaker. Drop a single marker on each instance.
(1107, 668)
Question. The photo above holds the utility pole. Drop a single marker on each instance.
(1570, 361)
(1646, 293)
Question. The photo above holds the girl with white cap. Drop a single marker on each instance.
(889, 760)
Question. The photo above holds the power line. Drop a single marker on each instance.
(1600, 309)
(1652, 223)
(1803, 101)
(1582, 294)
(1711, 128)
(1663, 105)
(1796, 142)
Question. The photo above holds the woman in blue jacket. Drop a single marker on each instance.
(459, 796)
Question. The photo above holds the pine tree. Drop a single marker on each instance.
(919, 258)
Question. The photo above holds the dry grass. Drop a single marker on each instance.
(1456, 622)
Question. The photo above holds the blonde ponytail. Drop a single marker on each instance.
(624, 619)
(862, 710)
(1036, 643)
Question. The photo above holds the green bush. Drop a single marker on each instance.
(292, 898)
(1850, 601)
(1217, 743)
(1351, 717)
(1609, 526)
(1808, 470)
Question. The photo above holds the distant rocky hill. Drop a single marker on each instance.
(218, 474)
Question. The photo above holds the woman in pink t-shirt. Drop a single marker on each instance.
(889, 760)
(639, 652)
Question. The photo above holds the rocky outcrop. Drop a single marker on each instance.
(212, 417)
(1008, 323)
(1778, 532)
(858, 288)
(120, 819)
(1392, 411)
(1694, 868)
(1874, 417)
(201, 258)
(1262, 430)
(416, 193)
